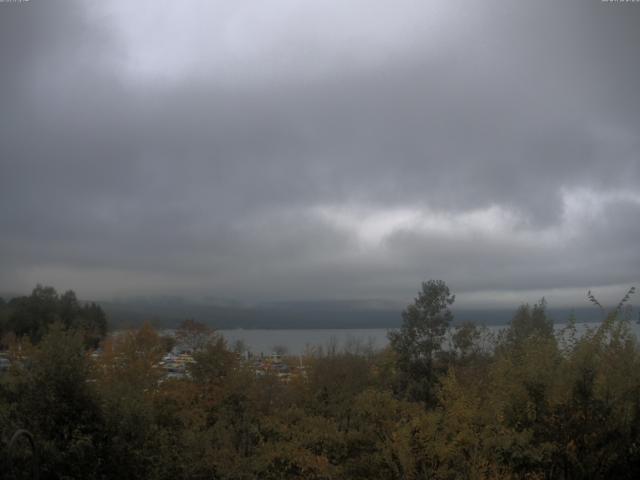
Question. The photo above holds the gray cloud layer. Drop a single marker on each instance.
(296, 150)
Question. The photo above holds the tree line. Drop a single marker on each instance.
(440, 402)
(31, 316)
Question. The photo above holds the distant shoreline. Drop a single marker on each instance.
(302, 318)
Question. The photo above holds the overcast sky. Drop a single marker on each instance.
(320, 150)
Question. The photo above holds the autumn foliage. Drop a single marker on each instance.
(442, 402)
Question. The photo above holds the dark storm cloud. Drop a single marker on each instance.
(337, 152)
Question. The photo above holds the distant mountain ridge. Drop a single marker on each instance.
(301, 315)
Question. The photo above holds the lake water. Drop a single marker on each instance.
(296, 342)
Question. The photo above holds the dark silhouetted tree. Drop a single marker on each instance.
(33, 315)
(529, 321)
(417, 343)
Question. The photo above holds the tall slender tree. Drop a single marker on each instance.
(417, 343)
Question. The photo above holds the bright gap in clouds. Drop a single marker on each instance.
(372, 226)
(245, 41)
